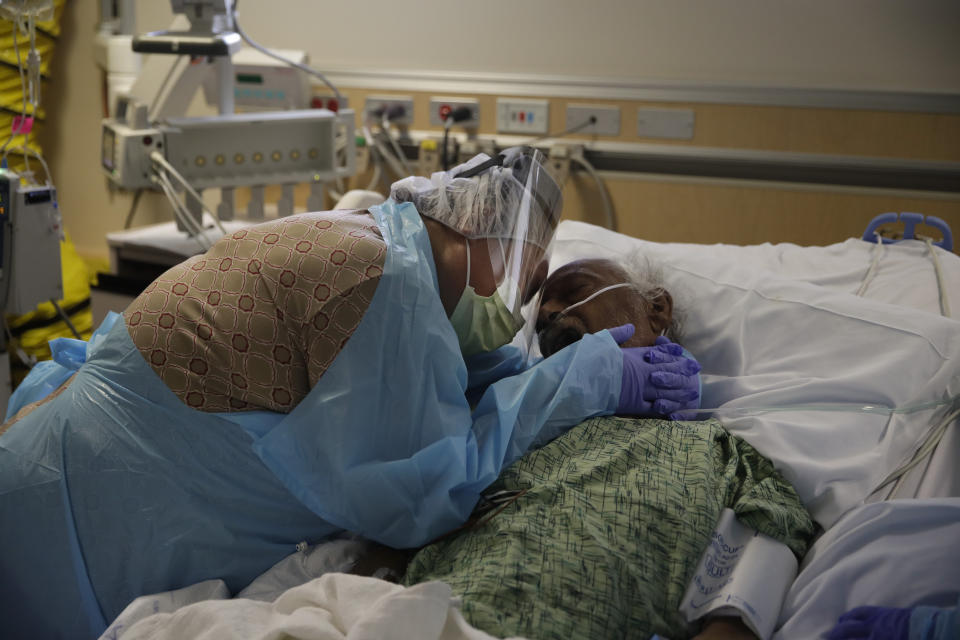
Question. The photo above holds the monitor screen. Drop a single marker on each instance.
(108, 149)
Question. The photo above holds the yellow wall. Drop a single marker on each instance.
(707, 211)
(74, 102)
(770, 128)
(673, 209)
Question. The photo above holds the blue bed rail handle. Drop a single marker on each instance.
(910, 221)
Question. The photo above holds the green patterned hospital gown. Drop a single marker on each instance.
(604, 542)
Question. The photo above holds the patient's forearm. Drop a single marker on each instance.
(725, 629)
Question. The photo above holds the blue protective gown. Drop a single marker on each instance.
(116, 488)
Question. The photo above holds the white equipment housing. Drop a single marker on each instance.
(31, 228)
(243, 149)
(254, 149)
(41, 10)
(261, 83)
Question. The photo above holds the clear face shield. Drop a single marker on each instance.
(507, 208)
(521, 205)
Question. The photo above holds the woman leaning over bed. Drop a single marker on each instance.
(305, 376)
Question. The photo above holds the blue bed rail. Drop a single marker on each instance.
(910, 221)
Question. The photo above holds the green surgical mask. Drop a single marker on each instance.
(482, 323)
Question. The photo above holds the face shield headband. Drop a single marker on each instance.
(540, 189)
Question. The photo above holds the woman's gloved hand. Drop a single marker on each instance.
(657, 381)
(872, 623)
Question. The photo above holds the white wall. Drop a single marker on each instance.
(898, 45)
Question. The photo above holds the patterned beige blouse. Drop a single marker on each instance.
(255, 321)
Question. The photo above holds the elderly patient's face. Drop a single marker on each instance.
(576, 281)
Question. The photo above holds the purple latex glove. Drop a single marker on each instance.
(872, 623)
(657, 381)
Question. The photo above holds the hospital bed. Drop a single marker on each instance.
(835, 362)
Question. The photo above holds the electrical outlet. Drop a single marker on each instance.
(665, 123)
(606, 119)
(329, 101)
(516, 115)
(440, 107)
(376, 106)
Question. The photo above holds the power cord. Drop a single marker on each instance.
(601, 187)
(383, 153)
(389, 115)
(133, 208)
(23, 89)
(66, 319)
(267, 52)
(592, 120)
(392, 154)
(457, 115)
(170, 171)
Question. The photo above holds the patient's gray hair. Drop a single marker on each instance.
(648, 279)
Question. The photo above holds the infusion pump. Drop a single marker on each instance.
(30, 234)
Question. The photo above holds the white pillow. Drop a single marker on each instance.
(807, 352)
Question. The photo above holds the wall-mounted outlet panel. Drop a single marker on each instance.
(376, 106)
(329, 101)
(665, 123)
(607, 119)
(440, 107)
(522, 116)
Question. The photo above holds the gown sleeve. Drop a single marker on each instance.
(408, 472)
(483, 369)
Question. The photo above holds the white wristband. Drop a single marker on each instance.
(743, 573)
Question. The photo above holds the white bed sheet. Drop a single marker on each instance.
(900, 553)
(777, 327)
(335, 606)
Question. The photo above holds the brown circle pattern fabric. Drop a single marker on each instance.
(255, 321)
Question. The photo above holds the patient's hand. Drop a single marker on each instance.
(725, 629)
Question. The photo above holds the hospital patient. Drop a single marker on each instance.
(586, 296)
(606, 524)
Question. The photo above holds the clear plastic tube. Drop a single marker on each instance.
(194, 230)
(232, 8)
(834, 407)
(171, 172)
(927, 447)
(872, 271)
(594, 295)
(944, 298)
(385, 126)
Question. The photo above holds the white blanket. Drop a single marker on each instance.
(335, 606)
(901, 553)
(782, 339)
